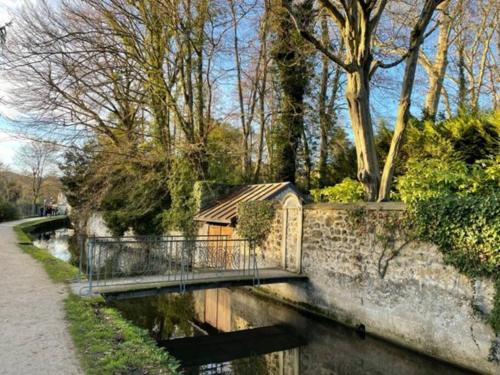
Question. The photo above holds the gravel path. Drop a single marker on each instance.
(33, 334)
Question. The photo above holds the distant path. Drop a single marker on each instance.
(33, 335)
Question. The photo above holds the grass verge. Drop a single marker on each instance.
(58, 270)
(106, 343)
(111, 345)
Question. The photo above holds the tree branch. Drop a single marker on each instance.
(315, 42)
(334, 12)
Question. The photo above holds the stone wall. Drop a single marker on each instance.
(269, 252)
(400, 291)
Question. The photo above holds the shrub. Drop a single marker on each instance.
(255, 219)
(7, 211)
(432, 178)
(347, 191)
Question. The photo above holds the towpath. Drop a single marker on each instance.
(34, 338)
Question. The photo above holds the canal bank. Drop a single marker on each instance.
(103, 341)
(34, 334)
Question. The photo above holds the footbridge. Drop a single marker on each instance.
(132, 267)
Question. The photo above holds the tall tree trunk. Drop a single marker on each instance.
(416, 40)
(358, 100)
(307, 160)
(245, 127)
(462, 80)
(437, 70)
(323, 116)
(293, 78)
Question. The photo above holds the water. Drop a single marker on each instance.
(234, 331)
(199, 329)
(57, 242)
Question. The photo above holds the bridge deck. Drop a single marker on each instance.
(123, 288)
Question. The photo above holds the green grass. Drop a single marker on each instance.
(58, 270)
(106, 343)
(111, 345)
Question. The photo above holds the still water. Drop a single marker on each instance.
(235, 331)
(57, 242)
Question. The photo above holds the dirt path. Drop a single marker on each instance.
(33, 335)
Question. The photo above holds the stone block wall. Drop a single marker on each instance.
(269, 252)
(401, 291)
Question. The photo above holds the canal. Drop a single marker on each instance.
(239, 331)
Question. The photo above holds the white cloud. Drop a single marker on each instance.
(4, 7)
(9, 145)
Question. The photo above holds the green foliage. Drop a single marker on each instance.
(341, 161)
(76, 170)
(347, 191)
(457, 207)
(473, 136)
(10, 189)
(181, 184)
(7, 211)
(467, 137)
(432, 178)
(130, 191)
(57, 269)
(108, 344)
(467, 230)
(224, 154)
(293, 70)
(136, 200)
(255, 219)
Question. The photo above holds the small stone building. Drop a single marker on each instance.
(220, 219)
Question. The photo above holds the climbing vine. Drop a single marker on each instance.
(467, 231)
(183, 199)
(255, 219)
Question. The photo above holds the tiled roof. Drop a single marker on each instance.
(226, 210)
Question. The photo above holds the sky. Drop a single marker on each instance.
(9, 142)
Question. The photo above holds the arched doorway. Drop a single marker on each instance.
(291, 244)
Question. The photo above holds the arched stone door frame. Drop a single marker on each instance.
(291, 242)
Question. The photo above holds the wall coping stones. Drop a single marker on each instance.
(376, 206)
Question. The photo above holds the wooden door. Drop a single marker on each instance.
(221, 246)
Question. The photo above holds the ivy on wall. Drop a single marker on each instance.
(467, 231)
(255, 219)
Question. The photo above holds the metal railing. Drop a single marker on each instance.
(147, 259)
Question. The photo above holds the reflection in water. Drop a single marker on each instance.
(60, 243)
(165, 317)
(327, 348)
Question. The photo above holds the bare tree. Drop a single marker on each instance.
(436, 69)
(476, 55)
(37, 159)
(3, 32)
(357, 22)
